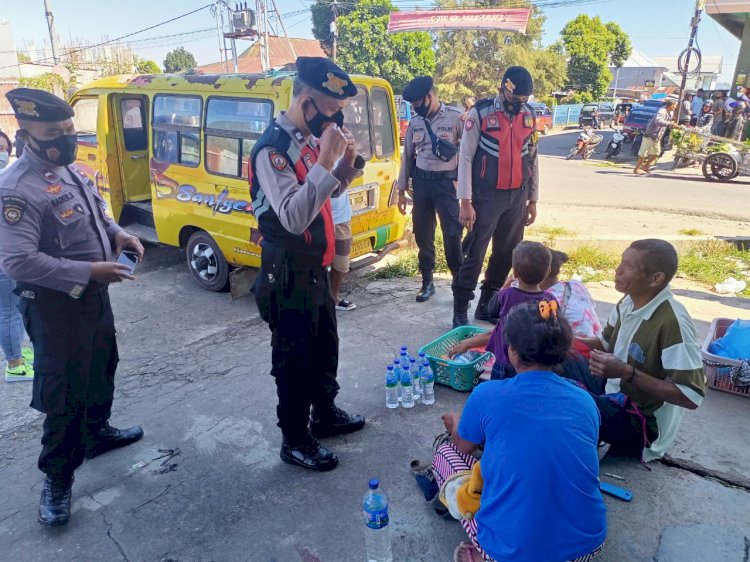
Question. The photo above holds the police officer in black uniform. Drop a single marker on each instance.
(302, 160)
(430, 160)
(57, 243)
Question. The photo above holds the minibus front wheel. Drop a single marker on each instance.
(206, 262)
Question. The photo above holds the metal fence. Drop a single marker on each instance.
(566, 115)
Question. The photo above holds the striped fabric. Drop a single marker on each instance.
(447, 461)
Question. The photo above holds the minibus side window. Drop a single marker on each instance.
(232, 127)
(357, 120)
(382, 122)
(133, 124)
(87, 110)
(176, 125)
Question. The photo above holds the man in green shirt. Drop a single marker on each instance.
(648, 354)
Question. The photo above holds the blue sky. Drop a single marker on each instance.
(660, 31)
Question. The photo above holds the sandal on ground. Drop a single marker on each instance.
(344, 304)
(466, 552)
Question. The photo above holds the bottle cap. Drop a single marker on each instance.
(426, 363)
(390, 367)
(403, 352)
(374, 484)
(397, 362)
(404, 348)
(421, 353)
(413, 360)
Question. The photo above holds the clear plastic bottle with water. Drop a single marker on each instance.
(407, 388)
(391, 388)
(404, 359)
(397, 371)
(377, 529)
(416, 385)
(428, 384)
(405, 349)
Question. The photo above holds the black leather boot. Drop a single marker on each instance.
(482, 313)
(54, 505)
(107, 438)
(460, 313)
(427, 290)
(330, 421)
(308, 453)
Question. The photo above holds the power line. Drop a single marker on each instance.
(123, 36)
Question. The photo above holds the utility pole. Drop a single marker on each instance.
(699, 5)
(334, 29)
(52, 32)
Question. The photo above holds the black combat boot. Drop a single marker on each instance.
(308, 453)
(105, 438)
(54, 505)
(460, 312)
(482, 313)
(331, 420)
(427, 290)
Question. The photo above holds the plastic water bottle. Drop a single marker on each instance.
(377, 530)
(416, 386)
(428, 384)
(421, 358)
(391, 388)
(407, 389)
(404, 360)
(405, 349)
(397, 372)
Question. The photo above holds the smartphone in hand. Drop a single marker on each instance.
(129, 259)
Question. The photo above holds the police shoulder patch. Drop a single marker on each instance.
(469, 124)
(528, 121)
(13, 207)
(278, 160)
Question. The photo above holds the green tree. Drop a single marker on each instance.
(48, 81)
(365, 46)
(143, 66)
(472, 62)
(23, 58)
(591, 46)
(179, 60)
(322, 17)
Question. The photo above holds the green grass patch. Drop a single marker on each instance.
(550, 232)
(712, 261)
(691, 232)
(590, 263)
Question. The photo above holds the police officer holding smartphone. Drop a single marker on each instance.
(430, 160)
(58, 244)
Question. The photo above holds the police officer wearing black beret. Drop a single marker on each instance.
(302, 160)
(430, 161)
(498, 186)
(58, 244)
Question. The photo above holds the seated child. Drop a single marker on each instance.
(531, 264)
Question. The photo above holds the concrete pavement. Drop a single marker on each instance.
(194, 372)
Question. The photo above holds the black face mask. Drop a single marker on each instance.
(318, 122)
(512, 108)
(58, 152)
(423, 109)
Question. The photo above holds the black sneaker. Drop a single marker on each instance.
(107, 438)
(427, 290)
(309, 454)
(54, 504)
(334, 421)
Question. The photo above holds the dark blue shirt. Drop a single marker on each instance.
(541, 499)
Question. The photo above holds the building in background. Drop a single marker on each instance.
(639, 77)
(283, 52)
(707, 78)
(734, 15)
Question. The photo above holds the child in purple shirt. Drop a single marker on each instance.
(531, 265)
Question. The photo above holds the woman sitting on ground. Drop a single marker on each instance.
(540, 498)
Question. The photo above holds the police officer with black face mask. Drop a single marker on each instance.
(430, 161)
(58, 244)
(498, 185)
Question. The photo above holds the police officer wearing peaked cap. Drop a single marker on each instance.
(498, 186)
(430, 160)
(57, 243)
(302, 160)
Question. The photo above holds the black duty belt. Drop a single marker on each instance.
(33, 292)
(427, 175)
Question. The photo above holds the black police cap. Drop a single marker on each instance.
(518, 81)
(326, 77)
(417, 88)
(30, 104)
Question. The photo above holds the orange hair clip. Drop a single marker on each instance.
(546, 308)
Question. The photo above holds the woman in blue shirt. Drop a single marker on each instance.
(540, 501)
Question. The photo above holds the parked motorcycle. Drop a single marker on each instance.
(615, 144)
(585, 144)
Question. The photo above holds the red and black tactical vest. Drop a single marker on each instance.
(503, 144)
(316, 245)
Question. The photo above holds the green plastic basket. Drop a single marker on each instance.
(459, 376)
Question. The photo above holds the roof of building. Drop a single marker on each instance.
(638, 59)
(282, 54)
(710, 64)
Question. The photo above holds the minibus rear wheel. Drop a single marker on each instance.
(206, 262)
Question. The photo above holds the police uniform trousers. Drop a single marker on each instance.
(435, 192)
(296, 303)
(501, 218)
(75, 359)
